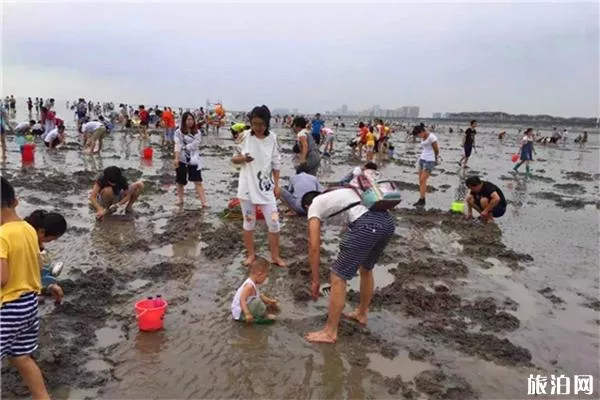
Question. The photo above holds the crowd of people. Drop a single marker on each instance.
(369, 227)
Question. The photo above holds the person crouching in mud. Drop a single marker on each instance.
(111, 190)
(49, 226)
(486, 198)
(368, 234)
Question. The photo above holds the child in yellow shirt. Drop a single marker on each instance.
(20, 264)
(370, 144)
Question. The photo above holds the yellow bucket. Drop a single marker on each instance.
(458, 206)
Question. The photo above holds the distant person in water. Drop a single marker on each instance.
(526, 151)
(486, 198)
(111, 190)
(468, 143)
(429, 158)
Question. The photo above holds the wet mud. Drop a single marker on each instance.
(439, 299)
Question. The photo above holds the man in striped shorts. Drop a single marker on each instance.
(367, 235)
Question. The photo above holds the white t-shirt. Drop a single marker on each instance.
(326, 204)
(51, 136)
(236, 305)
(91, 126)
(22, 127)
(256, 183)
(302, 133)
(427, 153)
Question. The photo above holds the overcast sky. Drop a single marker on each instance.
(521, 58)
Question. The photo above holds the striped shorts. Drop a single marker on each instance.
(363, 243)
(19, 326)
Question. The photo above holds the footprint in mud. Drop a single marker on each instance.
(547, 292)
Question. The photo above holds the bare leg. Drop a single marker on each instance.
(32, 376)
(179, 194)
(337, 299)
(423, 176)
(249, 244)
(201, 194)
(367, 285)
(274, 247)
(137, 189)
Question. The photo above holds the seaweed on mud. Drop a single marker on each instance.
(439, 385)
(594, 304)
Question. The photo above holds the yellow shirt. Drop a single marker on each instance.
(19, 245)
(370, 139)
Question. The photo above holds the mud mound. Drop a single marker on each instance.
(594, 304)
(438, 385)
(181, 226)
(409, 186)
(224, 241)
(431, 268)
(571, 188)
(579, 176)
(415, 301)
(547, 292)
(167, 271)
(548, 196)
(484, 311)
(483, 345)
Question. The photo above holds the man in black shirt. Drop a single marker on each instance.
(111, 190)
(486, 198)
(468, 143)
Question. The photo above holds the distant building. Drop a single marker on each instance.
(413, 112)
(436, 115)
(344, 110)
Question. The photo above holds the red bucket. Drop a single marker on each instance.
(150, 314)
(147, 153)
(235, 202)
(28, 152)
(515, 158)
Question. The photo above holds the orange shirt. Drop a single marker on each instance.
(169, 119)
(363, 135)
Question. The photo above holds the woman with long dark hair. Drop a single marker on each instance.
(187, 157)
(258, 154)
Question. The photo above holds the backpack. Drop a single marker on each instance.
(375, 193)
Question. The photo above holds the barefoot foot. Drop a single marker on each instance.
(249, 260)
(320, 337)
(355, 316)
(278, 261)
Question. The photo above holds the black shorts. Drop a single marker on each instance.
(53, 144)
(468, 149)
(144, 123)
(187, 172)
(317, 139)
(497, 212)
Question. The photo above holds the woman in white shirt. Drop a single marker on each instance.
(187, 157)
(260, 160)
(427, 161)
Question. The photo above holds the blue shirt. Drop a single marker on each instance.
(316, 125)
